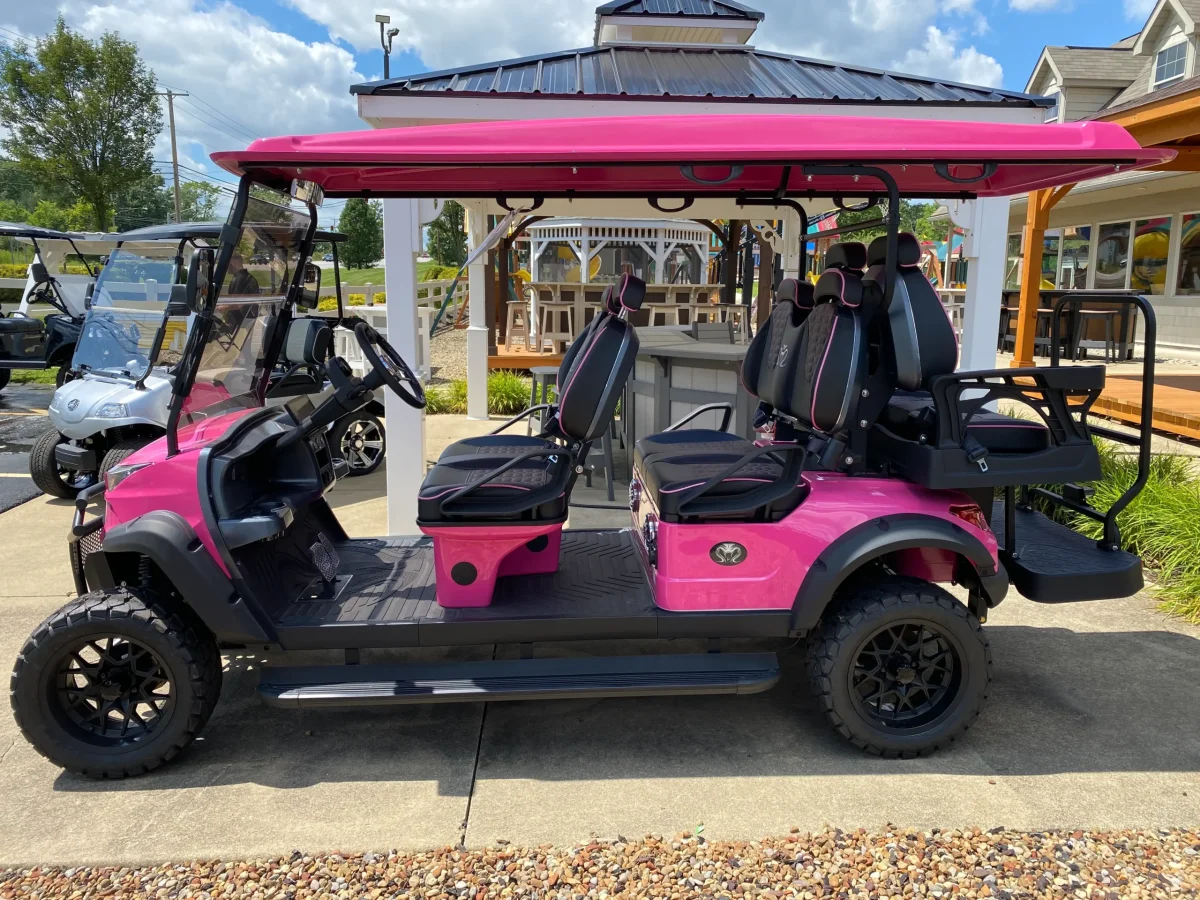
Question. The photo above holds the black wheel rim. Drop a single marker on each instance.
(906, 675)
(362, 444)
(110, 690)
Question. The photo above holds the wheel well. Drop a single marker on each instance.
(62, 355)
(140, 571)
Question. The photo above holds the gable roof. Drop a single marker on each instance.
(683, 73)
(1188, 9)
(706, 9)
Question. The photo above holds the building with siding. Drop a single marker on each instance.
(1141, 230)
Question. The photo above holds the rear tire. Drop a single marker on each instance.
(5, 375)
(48, 475)
(360, 440)
(113, 685)
(899, 667)
(117, 454)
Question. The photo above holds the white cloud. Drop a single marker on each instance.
(1139, 10)
(938, 56)
(1034, 5)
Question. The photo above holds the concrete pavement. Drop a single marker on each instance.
(1092, 722)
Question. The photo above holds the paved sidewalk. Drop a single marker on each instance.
(1092, 723)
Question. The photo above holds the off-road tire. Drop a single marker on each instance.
(117, 454)
(861, 611)
(5, 375)
(43, 467)
(192, 659)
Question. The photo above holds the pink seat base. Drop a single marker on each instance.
(468, 559)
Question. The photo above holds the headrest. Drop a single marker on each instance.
(629, 292)
(792, 290)
(609, 301)
(910, 250)
(834, 286)
(849, 255)
(308, 342)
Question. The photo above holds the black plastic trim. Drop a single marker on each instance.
(874, 539)
(167, 539)
(71, 456)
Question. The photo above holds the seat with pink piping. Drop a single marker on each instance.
(816, 371)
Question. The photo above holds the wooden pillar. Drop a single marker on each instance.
(730, 262)
(1037, 218)
(766, 282)
(748, 268)
(503, 298)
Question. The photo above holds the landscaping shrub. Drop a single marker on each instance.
(446, 399)
(508, 392)
(361, 299)
(1161, 525)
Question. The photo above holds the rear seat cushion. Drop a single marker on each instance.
(687, 441)
(911, 415)
(666, 479)
(494, 445)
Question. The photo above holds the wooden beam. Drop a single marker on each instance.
(1188, 160)
(1036, 216)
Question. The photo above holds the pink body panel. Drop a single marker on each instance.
(492, 551)
(170, 484)
(642, 154)
(780, 554)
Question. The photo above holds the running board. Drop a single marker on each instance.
(518, 679)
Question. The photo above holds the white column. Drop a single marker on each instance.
(985, 246)
(477, 329)
(405, 425)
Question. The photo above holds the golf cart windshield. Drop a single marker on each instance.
(128, 305)
(233, 368)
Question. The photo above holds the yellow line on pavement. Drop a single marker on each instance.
(2, 414)
(12, 475)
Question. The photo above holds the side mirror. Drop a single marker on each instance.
(312, 274)
(87, 295)
(199, 279)
(310, 291)
(39, 273)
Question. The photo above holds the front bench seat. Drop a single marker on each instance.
(534, 484)
(20, 325)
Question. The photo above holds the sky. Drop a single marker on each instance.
(264, 67)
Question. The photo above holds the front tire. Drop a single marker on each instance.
(359, 439)
(63, 375)
(113, 685)
(118, 453)
(899, 667)
(48, 475)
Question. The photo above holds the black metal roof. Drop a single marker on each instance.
(683, 73)
(177, 231)
(706, 9)
(21, 230)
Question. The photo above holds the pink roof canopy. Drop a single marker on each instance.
(646, 156)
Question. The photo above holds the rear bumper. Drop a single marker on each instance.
(78, 459)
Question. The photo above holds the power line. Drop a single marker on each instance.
(249, 131)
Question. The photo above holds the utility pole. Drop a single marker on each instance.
(171, 95)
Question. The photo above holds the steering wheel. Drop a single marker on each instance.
(390, 367)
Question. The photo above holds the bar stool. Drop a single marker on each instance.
(518, 324)
(544, 377)
(550, 326)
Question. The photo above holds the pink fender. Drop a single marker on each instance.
(778, 555)
(170, 483)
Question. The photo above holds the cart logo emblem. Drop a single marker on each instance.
(783, 355)
(73, 405)
(728, 553)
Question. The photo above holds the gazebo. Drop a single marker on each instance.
(661, 58)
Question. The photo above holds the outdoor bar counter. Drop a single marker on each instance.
(675, 374)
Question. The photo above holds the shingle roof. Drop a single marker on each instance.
(708, 9)
(1109, 64)
(692, 73)
(1119, 106)
(1137, 88)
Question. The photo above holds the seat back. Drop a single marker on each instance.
(593, 378)
(918, 340)
(308, 342)
(768, 358)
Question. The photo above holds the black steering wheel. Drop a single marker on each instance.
(390, 367)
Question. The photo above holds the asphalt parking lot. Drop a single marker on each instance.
(22, 419)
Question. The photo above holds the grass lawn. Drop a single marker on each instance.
(34, 376)
(367, 276)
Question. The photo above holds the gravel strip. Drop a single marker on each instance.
(833, 863)
(448, 355)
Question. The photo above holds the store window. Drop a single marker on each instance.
(558, 262)
(1112, 257)
(1189, 256)
(1050, 250)
(1012, 266)
(1169, 64)
(1076, 249)
(1151, 241)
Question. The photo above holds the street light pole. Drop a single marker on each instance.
(385, 41)
(171, 95)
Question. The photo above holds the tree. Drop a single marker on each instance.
(362, 223)
(447, 242)
(198, 202)
(12, 211)
(914, 218)
(81, 114)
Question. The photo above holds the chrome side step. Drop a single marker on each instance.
(518, 679)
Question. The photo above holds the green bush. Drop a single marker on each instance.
(20, 270)
(1161, 525)
(508, 392)
(361, 299)
(327, 304)
(446, 399)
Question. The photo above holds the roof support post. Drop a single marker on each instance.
(1037, 219)
(985, 225)
(477, 330)
(406, 462)
(729, 261)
